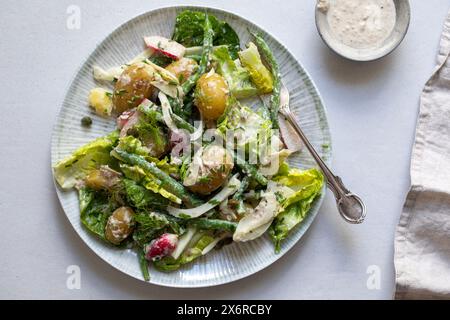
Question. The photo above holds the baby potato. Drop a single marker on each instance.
(209, 169)
(102, 178)
(120, 225)
(133, 85)
(211, 94)
(182, 69)
(100, 100)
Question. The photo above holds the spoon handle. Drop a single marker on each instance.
(341, 193)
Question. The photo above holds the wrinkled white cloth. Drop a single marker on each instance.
(422, 240)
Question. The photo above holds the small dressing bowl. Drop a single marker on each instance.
(403, 15)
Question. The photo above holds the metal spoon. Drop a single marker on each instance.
(350, 206)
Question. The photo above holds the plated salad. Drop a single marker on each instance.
(199, 157)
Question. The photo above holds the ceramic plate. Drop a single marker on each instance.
(235, 261)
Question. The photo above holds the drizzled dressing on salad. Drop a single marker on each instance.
(360, 24)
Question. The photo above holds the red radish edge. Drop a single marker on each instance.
(169, 48)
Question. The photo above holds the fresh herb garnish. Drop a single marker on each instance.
(120, 92)
(214, 202)
(184, 216)
(204, 179)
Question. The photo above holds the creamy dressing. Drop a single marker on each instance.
(361, 24)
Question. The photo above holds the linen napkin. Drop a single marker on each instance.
(422, 240)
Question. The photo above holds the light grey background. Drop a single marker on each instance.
(372, 110)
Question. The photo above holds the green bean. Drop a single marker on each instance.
(189, 84)
(213, 224)
(166, 181)
(239, 195)
(251, 170)
(208, 36)
(143, 263)
(275, 97)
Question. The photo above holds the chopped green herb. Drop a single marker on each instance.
(279, 196)
(120, 92)
(184, 216)
(204, 179)
(214, 202)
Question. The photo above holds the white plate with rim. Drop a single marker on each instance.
(234, 261)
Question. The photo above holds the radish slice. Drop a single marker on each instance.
(289, 136)
(167, 47)
(144, 55)
(230, 188)
(132, 120)
(123, 118)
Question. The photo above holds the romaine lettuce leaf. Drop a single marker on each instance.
(237, 77)
(306, 186)
(304, 183)
(259, 74)
(133, 145)
(141, 198)
(250, 130)
(189, 31)
(151, 139)
(148, 181)
(95, 208)
(73, 169)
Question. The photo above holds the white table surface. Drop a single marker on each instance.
(372, 109)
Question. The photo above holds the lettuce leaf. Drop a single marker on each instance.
(148, 181)
(133, 145)
(95, 208)
(259, 74)
(141, 198)
(237, 77)
(189, 31)
(305, 187)
(73, 169)
(304, 183)
(147, 138)
(250, 130)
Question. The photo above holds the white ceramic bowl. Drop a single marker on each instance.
(393, 41)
